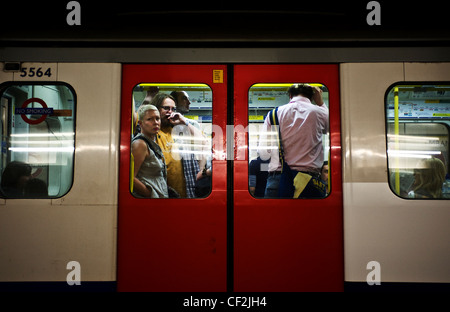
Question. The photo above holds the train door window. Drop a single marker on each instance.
(37, 151)
(176, 159)
(309, 164)
(418, 124)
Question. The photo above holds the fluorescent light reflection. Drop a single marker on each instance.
(68, 149)
(43, 135)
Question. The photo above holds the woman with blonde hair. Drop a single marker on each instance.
(429, 178)
(150, 173)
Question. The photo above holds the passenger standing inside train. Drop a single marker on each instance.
(302, 122)
(169, 119)
(150, 174)
(182, 101)
(151, 92)
(268, 152)
(175, 176)
(190, 164)
(257, 176)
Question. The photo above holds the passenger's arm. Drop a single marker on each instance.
(317, 96)
(265, 140)
(139, 150)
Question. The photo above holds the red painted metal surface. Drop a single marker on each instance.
(288, 244)
(171, 245)
(279, 245)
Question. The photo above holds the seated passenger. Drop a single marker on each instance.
(324, 175)
(14, 178)
(428, 179)
(150, 173)
(36, 188)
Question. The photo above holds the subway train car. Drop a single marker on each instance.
(68, 113)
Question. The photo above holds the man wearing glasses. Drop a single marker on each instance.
(176, 175)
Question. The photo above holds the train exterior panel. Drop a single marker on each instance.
(296, 246)
(225, 241)
(74, 73)
(174, 244)
(40, 237)
(409, 238)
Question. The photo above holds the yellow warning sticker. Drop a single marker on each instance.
(217, 76)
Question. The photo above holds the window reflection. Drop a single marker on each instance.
(184, 138)
(37, 140)
(418, 121)
(297, 132)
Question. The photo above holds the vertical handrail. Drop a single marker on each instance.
(397, 145)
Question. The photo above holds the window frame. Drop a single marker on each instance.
(7, 84)
(410, 121)
(176, 86)
(328, 144)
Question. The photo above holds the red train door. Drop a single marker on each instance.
(285, 244)
(174, 244)
(229, 240)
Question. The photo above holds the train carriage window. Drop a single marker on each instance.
(38, 128)
(306, 146)
(417, 127)
(171, 146)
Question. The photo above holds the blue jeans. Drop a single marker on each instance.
(273, 181)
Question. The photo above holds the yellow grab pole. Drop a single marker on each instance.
(397, 145)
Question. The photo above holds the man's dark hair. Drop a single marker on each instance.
(301, 89)
(159, 99)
